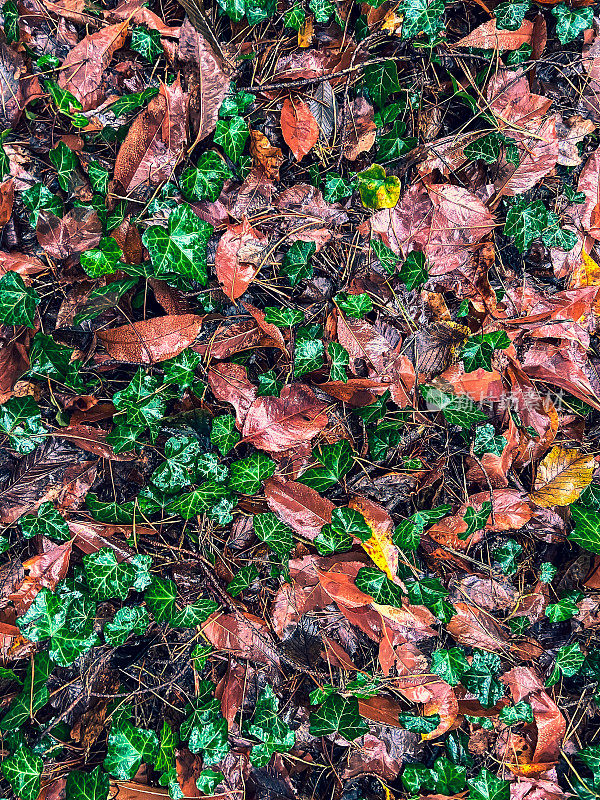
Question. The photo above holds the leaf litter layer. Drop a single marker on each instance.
(299, 399)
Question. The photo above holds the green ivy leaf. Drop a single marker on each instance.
(486, 441)
(127, 620)
(413, 271)
(376, 583)
(336, 188)
(93, 785)
(274, 734)
(128, 748)
(65, 162)
(385, 255)
(131, 102)
(283, 317)
(23, 771)
(33, 696)
(480, 678)
(337, 460)
(11, 21)
(206, 180)
(525, 221)
(352, 522)
(160, 598)
(48, 522)
(106, 577)
(102, 260)
(393, 145)
(378, 190)
(569, 660)
(210, 740)
(244, 578)
(478, 350)
(421, 17)
(419, 724)
(38, 198)
(449, 664)
(296, 262)
(274, 533)
(506, 555)
(566, 608)
(17, 301)
(382, 81)
(354, 305)
(146, 42)
(513, 715)
(510, 15)
(248, 473)
(571, 21)
(294, 17)
(338, 715)
(486, 786)
(223, 434)
(339, 362)
(181, 248)
(457, 410)
(231, 135)
(329, 540)
(236, 103)
(476, 520)
(180, 370)
(141, 402)
(208, 780)
(203, 498)
(98, 176)
(44, 617)
(587, 528)
(308, 356)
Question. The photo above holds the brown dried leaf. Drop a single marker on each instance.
(562, 476)
(153, 340)
(299, 506)
(359, 129)
(77, 231)
(488, 37)
(264, 156)
(239, 256)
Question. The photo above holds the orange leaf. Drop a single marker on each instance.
(299, 127)
(379, 547)
(562, 476)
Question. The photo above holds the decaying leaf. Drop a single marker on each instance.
(562, 476)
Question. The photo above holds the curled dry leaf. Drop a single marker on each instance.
(562, 476)
(265, 157)
(379, 547)
(12, 68)
(23, 264)
(299, 127)
(7, 197)
(489, 37)
(240, 253)
(359, 129)
(81, 71)
(299, 506)
(276, 424)
(92, 440)
(152, 340)
(155, 140)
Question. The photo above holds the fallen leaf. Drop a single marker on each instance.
(359, 129)
(153, 340)
(230, 383)
(77, 231)
(299, 506)
(240, 253)
(489, 37)
(264, 156)
(379, 547)
(299, 127)
(562, 476)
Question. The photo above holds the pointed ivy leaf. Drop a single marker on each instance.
(378, 190)
(93, 785)
(128, 748)
(143, 405)
(65, 161)
(339, 362)
(419, 724)
(449, 778)
(417, 777)
(571, 21)
(375, 411)
(487, 149)
(322, 9)
(247, 474)
(296, 262)
(160, 598)
(268, 727)
(385, 255)
(206, 180)
(106, 577)
(479, 349)
(169, 739)
(23, 771)
(194, 614)
(231, 135)
(587, 528)
(566, 608)
(591, 758)
(520, 712)
(486, 786)
(38, 198)
(449, 664)
(425, 591)
(555, 236)
(146, 42)
(33, 696)
(421, 17)
(337, 460)
(330, 540)
(506, 555)
(283, 317)
(382, 81)
(476, 520)
(48, 522)
(210, 740)
(208, 780)
(180, 369)
(294, 17)
(354, 305)
(338, 715)
(350, 521)
(525, 221)
(203, 498)
(573, 196)
(547, 572)
(182, 454)
(17, 301)
(104, 298)
(77, 636)
(393, 145)
(486, 441)
(510, 15)
(336, 188)
(413, 271)
(102, 260)
(236, 102)
(274, 533)
(98, 176)
(376, 583)
(11, 21)
(244, 578)
(181, 248)
(127, 620)
(131, 102)
(458, 410)
(569, 660)
(308, 356)
(44, 617)
(223, 434)
(480, 680)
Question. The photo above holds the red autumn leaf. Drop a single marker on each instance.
(229, 382)
(242, 635)
(299, 127)
(153, 340)
(77, 231)
(276, 424)
(359, 128)
(299, 506)
(92, 440)
(23, 264)
(41, 571)
(81, 71)
(489, 37)
(240, 254)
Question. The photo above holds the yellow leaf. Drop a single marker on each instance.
(379, 547)
(561, 477)
(586, 273)
(305, 34)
